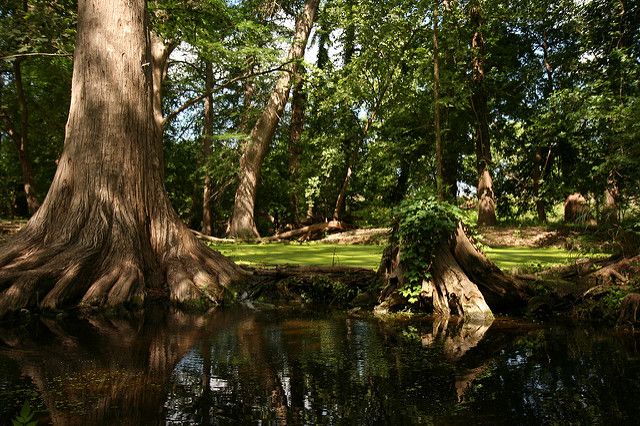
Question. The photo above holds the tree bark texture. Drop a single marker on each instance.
(21, 140)
(207, 133)
(464, 283)
(298, 102)
(255, 148)
(106, 233)
(436, 106)
(576, 208)
(611, 209)
(539, 166)
(486, 198)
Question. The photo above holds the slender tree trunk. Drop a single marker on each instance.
(106, 233)
(341, 201)
(255, 148)
(486, 199)
(249, 89)
(436, 105)
(538, 173)
(160, 52)
(339, 209)
(21, 140)
(610, 211)
(207, 207)
(298, 102)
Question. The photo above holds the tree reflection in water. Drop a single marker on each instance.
(229, 367)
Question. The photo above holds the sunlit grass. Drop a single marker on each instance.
(509, 258)
(368, 256)
(363, 256)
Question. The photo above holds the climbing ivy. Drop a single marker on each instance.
(423, 224)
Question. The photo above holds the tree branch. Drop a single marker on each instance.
(199, 98)
(26, 55)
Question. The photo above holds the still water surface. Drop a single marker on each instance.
(242, 367)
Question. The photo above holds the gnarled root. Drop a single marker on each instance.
(629, 310)
(110, 270)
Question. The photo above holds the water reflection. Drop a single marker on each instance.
(166, 367)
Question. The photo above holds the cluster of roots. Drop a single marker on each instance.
(110, 270)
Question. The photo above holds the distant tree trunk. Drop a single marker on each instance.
(160, 51)
(106, 233)
(341, 201)
(610, 210)
(21, 139)
(295, 134)
(255, 148)
(207, 133)
(576, 208)
(436, 106)
(538, 166)
(486, 199)
(248, 91)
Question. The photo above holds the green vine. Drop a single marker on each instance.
(423, 224)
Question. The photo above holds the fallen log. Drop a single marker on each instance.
(307, 232)
(211, 239)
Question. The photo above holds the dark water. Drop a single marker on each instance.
(241, 367)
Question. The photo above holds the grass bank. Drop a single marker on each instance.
(368, 256)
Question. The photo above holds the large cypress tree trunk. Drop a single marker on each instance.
(106, 233)
(486, 199)
(243, 224)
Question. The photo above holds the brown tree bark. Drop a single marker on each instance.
(160, 52)
(436, 106)
(576, 209)
(255, 148)
(464, 283)
(538, 173)
(298, 102)
(611, 210)
(207, 133)
(106, 233)
(21, 140)
(486, 198)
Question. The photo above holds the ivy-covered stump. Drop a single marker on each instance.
(432, 263)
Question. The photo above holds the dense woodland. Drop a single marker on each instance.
(522, 102)
(272, 115)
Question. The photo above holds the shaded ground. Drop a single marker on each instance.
(533, 236)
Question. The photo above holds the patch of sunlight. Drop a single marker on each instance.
(368, 256)
(508, 258)
(362, 256)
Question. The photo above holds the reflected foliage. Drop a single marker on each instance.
(241, 367)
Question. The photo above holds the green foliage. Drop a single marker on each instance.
(424, 225)
(604, 308)
(25, 417)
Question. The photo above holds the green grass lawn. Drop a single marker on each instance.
(303, 254)
(368, 256)
(532, 259)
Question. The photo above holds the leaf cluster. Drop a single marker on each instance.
(424, 224)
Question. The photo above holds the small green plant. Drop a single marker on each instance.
(25, 417)
(424, 224)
